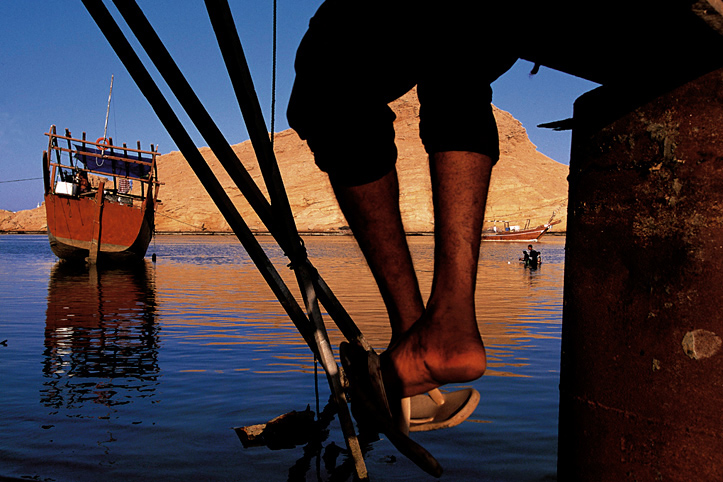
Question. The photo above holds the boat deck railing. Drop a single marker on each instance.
(69, 161)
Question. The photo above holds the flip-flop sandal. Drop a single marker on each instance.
(363, 370)
(435, 410)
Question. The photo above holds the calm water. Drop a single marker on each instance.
(141, 375)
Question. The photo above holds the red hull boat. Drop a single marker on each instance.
(94, 211)
(524, 235)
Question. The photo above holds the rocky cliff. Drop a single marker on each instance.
(525, 184)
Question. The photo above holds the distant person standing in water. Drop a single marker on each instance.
(354, 60)
(531, 257)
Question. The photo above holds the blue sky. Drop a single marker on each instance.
(55, 68)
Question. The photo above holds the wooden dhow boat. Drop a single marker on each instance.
(100, 199)
(513, 233)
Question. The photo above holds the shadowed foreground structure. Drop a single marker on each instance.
(642, 368)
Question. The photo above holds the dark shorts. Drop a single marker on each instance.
(357, 57)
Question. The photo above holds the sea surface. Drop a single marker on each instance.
(141, 374)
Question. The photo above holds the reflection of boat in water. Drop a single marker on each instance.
(101, 337)
(113, 219)
(514, 233)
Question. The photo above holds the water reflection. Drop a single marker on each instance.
(216, 304)
(514, 303)
(331, 459)
(230, 356)
(101, 336)
(213, 300)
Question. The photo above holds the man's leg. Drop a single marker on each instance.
(445, 346)
(372, 211)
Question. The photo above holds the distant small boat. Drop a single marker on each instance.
(109, 219)
(514, 233)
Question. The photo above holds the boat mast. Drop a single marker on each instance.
(107, 111)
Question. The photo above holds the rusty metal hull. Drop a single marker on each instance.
(641, 386)
(126, 231)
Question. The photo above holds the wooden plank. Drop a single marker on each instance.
(94, 249)
(619, 41)
(711, 12)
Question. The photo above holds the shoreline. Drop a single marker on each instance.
(255, 233)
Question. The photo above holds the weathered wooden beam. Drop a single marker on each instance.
(285, 431)
(711, 12)
(618, 40)
(94, 248)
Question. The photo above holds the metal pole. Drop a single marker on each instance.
(107, 111)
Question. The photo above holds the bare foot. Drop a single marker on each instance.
(432, 353)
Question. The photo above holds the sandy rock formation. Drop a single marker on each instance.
(525, 183)
(28, 220)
